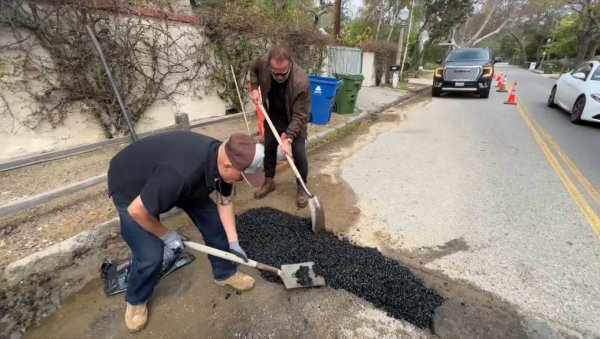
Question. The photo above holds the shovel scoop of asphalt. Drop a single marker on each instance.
(292, 275)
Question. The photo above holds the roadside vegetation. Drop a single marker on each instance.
(154, 52)
(555, 34)
(48, 58)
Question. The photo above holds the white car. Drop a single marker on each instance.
(578, 92)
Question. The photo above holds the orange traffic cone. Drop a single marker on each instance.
(502, 86)
(499, 78)
(259, 115)
(512, 97)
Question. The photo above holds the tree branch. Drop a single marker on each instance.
(491, 33)
(475, 36)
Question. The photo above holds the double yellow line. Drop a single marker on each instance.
(550, 148)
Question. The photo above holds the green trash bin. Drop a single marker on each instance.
(345, 99)
(549, 68)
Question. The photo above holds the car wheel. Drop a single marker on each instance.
(550, 102)
(436, 92)
(485, 93)
(577, 109)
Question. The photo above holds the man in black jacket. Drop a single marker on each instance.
(157, 173)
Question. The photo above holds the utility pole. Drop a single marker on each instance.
(337, 22)
(397, 74)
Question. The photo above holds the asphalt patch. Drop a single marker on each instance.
(277, 238)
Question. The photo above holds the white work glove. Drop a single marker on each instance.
(168, 256)
(234, 247)
(174, 241)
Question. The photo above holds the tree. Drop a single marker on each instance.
(440, 17)
(589, 27)
(356, 33)
(565, 38)
(318, 11)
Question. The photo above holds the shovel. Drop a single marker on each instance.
(289, 274)
(317, 215)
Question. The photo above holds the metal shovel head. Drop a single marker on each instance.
(317, 215)
(290, 279)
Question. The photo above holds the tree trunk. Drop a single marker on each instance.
(585, 40)
(586, 27)
(391, 29)
(379, 21)
(594, 45)
(394, 18)
(496, 31)
(475, 38)
(521, 42)
(421, 55)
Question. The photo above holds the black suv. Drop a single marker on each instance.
(465, 70)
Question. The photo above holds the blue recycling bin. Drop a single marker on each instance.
(323, 91)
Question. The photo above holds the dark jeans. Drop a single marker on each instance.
(298, 153)
(147, 249)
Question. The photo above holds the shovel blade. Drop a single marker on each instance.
(290, 279)
(317, 214)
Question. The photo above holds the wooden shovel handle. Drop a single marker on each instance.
(289, 159)
(264, 267)
(230, 256)
(219, 253)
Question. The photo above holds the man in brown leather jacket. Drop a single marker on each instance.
(286, 96)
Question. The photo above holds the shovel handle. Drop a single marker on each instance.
(231, 257)
(218, 253)
(289, 159)
(265, 267)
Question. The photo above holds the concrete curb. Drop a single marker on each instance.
(61, 254)
(66, 252)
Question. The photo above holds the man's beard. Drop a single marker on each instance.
(280, 81)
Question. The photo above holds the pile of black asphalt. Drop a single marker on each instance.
(277, 238)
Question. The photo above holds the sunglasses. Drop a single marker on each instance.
(280, 74)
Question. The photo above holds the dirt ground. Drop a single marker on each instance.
(194, 307)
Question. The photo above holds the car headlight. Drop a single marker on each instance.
(439, 72)
(487, 71)
(595, 96)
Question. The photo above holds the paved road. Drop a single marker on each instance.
(579, 142)
(504, 197)
(460, 186)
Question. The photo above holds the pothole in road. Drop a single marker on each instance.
(425, 299)
(278, 238)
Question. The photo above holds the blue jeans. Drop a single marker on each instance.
(147, 249)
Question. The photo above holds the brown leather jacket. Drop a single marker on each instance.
(297, 96)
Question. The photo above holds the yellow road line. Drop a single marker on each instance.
(565, 158)
(585, 208)
(576, 172)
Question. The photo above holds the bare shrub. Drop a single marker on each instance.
(151, 60)
(241, 32)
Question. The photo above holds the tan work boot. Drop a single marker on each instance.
(239, 281)
(267, 187)
(301, 196)
(136, 317)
